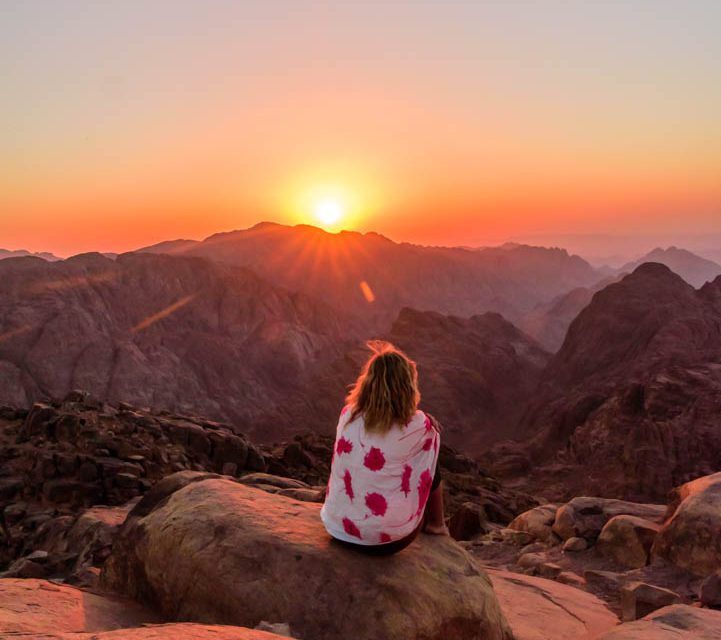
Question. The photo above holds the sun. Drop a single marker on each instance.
(329, 211)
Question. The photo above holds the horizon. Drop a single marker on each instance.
(581, 245)
(468, 124)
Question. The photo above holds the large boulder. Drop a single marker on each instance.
(676, 622)
(216, 551)
(537, 521)
(584, 517)
(539, 609)
(628, 540)
(691, 537)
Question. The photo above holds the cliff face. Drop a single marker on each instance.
(632, 398)
(171, 333)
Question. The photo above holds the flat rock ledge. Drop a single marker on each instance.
(210, 550)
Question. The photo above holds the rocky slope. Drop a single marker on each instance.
(182, 334)
(87, 486)
(629, 406)
(58, 460)
(332, 267)
(194, 336)
(548, 323)
(471, 374)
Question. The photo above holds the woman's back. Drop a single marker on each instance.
(379, 481)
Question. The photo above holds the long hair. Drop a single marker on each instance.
(386, 392)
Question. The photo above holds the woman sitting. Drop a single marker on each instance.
(384, 486)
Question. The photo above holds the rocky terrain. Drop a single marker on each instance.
(189, 335)
(548, 323)
(120, 522)
(181, 334)
(70, 470)
(471, 372)
(630, 405)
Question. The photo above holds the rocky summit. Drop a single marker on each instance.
(120, 522)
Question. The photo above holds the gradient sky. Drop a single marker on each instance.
(128, 122)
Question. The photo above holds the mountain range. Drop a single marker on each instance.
(564, 379)
(630, 404)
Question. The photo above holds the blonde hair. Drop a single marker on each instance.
(386, 392)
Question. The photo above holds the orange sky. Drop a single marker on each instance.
(448, 123)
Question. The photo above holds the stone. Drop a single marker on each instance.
(549, 570)
(690, 537)
(24, 568)
(468, 521)
(281, 628)
(638, 599)
(537, 521)
(675, 622)
(606, 581)
(531, 560)
(571, 579)
(275, 481)
(295, 456)
(304, 495)
(627, 540)
(35, 607)
(585, 517)
(540, 609)
(229, 469)
(177, 631)
(520, 538)
(575, 544)
(710, 591)
(199, 551)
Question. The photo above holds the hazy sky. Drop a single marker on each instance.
(126, 122)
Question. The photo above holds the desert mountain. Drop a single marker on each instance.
(19, 253)
(472, 373)
(549, 322)
(694, 269)
(374, 277)
(159, 331)
(191, 335)
(630, 405)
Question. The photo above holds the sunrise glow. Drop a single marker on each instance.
(329, 212)
(505, 124)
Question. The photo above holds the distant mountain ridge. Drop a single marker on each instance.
(21, 253)
(694, 269)
(374, 277)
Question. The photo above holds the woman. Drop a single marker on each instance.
(384, 485)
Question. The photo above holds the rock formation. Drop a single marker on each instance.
(629, 406)
(216, 551)
(671, 623)
(691, 536)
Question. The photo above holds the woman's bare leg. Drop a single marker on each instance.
(434, 518)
